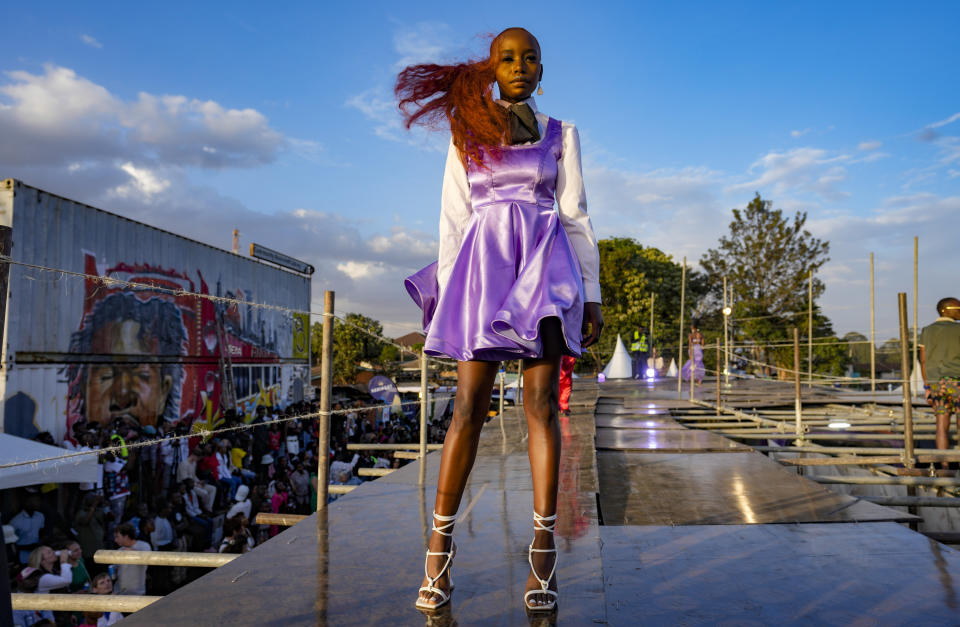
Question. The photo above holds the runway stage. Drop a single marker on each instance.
(690, 537)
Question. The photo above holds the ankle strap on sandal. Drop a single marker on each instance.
(544, 523)
(448, 521)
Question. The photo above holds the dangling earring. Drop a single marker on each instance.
(539, 89)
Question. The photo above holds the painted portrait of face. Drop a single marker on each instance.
(133, 379)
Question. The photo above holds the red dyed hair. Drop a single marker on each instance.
(463, 95)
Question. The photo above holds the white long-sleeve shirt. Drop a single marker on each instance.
(456, 209)
(50, 581)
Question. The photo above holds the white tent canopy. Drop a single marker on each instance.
(619, 366)
(77, 469)
(672, 370)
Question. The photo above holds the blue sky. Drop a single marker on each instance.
(203, 117)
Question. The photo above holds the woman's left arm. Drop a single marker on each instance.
(572, 206)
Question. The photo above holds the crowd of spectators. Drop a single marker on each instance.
(190, 494)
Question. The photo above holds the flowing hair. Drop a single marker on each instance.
(460, 94)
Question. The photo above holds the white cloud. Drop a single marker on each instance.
(143, 180)
(424, 42)
(58, 116)
(950, 120)
(72, 137)
(361, 269)
(90, 41)
(799, 133)
(807, 169)
(869, 145)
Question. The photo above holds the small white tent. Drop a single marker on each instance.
(672, 370)
(76, 469)
(619, 366)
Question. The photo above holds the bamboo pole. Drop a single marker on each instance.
(839, 461)
(376, 472)
(683, 296)
(283, 520)
(164, 558)
(653, 351)
(905, 367)
(937, 482)
(405, 446)
(81, 602)
(873, 335)
(915, 501)
(6, 241)
(424, 405)
(810, 333)
(797, 406)
(916, 302)
(326, 388)
(718, 377)
(500, 410)
(341, 489)
(519, 400)
(726, 337)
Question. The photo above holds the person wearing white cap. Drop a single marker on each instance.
(241, 503)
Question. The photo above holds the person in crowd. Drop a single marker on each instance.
(102, 584)
(228, 474)
(29, 522)
(54, 566)
(235, 539)
(191, 504)
(341, 464)
(116, 484)
(131, 578)
(567, 363)
(300, 483)
(939, 356)
(279, 504)
(206, 490)
(27, 581)
(78, 566)
(241, 504)
(90, 525)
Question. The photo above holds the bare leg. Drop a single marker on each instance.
(474, 386)
(541, 405)
(943, 434)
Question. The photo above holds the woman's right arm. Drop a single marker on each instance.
(455, 210)
(50, 581)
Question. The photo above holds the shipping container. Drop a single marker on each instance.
(109, 319)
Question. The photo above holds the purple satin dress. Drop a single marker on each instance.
(514, 268)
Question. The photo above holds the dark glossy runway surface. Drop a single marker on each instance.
(685, 541)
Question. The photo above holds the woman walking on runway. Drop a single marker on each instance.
(517, 277)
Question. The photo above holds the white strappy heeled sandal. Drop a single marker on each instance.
(542, 523)
(431, 581)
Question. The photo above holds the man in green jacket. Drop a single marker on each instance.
(939, 354)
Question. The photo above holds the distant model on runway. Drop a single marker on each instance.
(517, 277)
(695, 362)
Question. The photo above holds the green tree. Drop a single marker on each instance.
(316, 342)
(354, 341)
(766, 259)
(629, 273)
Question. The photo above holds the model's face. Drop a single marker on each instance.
(516, 55)
(135, 393)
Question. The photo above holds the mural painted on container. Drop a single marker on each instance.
(148, 357)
